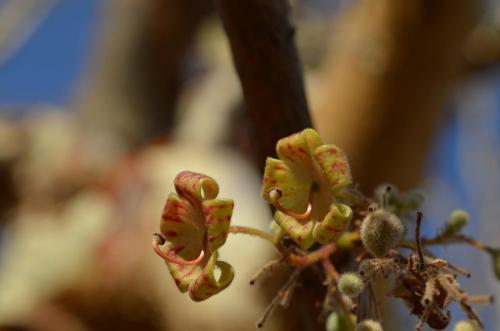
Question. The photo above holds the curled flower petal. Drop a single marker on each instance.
(195, 187)
(301, 233)
(333, 223)
(183, 275)
(294, 189)
(297, 150)
(183, 227)
(217, 219)
(207, 283)
(334, 163)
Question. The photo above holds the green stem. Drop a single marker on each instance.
(252, 232)
(332, 276)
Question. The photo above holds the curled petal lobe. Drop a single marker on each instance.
(297, 151)
(300, 232)
(183, 275)
(333, 223)
(207, 283)
(294, 189)
(334, 163)
(195, 187)
(217, 220)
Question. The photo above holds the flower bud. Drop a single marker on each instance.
(336, 322)
(350, 284)
(457, 220)
(369, 325)
(415, 200)
(467, 325)
(380, 231)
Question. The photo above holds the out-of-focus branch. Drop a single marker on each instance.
(262, 42)
(18, 21)
(386, 82)
(482, 48)
(138, 68)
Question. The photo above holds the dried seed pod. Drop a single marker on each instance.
(350, 284)
(369, 325)
(381, 230)
(467, 325)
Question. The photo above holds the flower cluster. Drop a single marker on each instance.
(304, 185)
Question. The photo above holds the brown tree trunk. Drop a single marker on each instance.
(266, 59)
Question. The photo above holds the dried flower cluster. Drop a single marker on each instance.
(323, 215)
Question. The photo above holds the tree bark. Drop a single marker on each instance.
(386, 83)
(265, 56)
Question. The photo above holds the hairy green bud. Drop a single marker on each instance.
(336, 322)
(350, 284)
(415, 199)
(467, 325)
(369, 325)
(381, 230)
(457, 220)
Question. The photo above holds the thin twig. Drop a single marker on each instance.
(332, 277)
(267, 269)
(280, 297)
(421, 262)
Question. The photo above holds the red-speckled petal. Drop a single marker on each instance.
(332, 224)
(300, 232)
(195, 187)
(297, 152)
(207, 284)
(217, 220)
(294, 189)
(183, 226)
(183, 275)
(334, 163)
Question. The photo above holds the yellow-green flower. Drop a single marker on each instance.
(193, 226)
(303, 185)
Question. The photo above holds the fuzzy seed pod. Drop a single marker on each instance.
(350, 284)
(380, 231)
(467, 325)
(458, 219)
(336, 322)
(369, 325)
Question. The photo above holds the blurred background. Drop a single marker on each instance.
(102, 103)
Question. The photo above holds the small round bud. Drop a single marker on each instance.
(415, 200)
(380, 231)
(458, 219)
(350, 284)
(336, 322)
(369, 325)
(467, 325)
